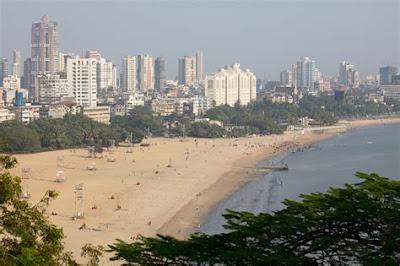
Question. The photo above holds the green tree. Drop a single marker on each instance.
(206, 130)
(356, 224)
(19, 138)
(26, 237)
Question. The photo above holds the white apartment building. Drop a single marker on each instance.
(231, 85)
(82, 79)
(16, 66)
(62, 60)
(27, 113)
(129, 71)
(99, 114)
(200, 105)
(52, 88)
(6, 115)
(145, 70)
(106, 75)
(12, 82)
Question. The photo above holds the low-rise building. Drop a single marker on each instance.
(390, 91)
(27, 113)
(9, 95)
(168, 106)
(117, 110)
(57, 110)
(374, 96)
(200, 105)
(6, 115)
(100, 114)
(12, 82)
(284, 94)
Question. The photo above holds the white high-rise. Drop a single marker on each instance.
(348, 76)
(129, 72)
(307, 73)
(145, 68)
(82, 79)
(231, 85)
(16, 66)
(62, 61)
(106, 71)
(106, 75)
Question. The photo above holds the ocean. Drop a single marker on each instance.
(330, 163)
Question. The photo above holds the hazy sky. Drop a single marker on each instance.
(265, 36)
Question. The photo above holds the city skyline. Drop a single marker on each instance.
(266, 61)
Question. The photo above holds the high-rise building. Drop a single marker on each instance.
(145, 70)
(44, 50)
(128, 75)
(187, 70)
(3, 69)
(348, 76)
(106, 75)
(62, 61)
(106, 72)
(231, 85)
(386, 73)
(159, 73)
(44, 53)
(16, 67)
(82, 80)
(27, 77)
(286, 78)
(294, 75)
(199, 66)
(396, 80)
(307, 73)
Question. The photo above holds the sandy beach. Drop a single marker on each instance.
(167, 187)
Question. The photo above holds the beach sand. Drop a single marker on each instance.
(167, 187)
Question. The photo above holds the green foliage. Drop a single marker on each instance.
(326, 109)
(26, 237)
(265, 117)
(19, 138)
(140, 121)
(257, 118)
(93, 253)
(356, 224)
(47, 134)
(206, 130)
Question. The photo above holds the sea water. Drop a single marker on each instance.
(330, 163)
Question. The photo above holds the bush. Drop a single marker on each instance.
(206, 130)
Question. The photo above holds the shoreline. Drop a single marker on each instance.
(189, 218)
(165, 188)
(234, 180)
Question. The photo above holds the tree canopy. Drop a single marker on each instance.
(26, 236)
(353, 224)
(69, 131)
